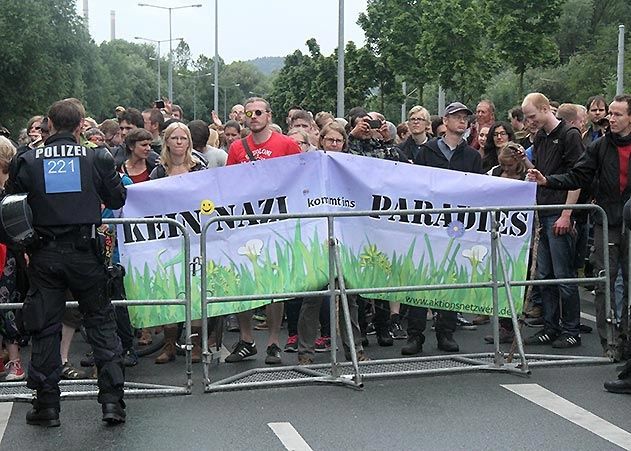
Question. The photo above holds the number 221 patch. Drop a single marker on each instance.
(62, 175)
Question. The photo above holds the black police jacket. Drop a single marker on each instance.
(66, 184)
(464, 159)
(600, 164)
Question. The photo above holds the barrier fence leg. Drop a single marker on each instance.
(206, 354)
(335, 371)
(610, 317)
(511, 304)
(347, 316)
(188, 314)
(498, 354)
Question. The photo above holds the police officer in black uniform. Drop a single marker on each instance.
(66, 184)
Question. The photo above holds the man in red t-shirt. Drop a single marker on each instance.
(263, 143)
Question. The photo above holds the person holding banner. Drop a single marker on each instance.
(262, 143)
(449, 152)
(177, 158)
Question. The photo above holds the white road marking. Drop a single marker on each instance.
(5, 413)
(289, 436)
(571, 412)
(588, 317)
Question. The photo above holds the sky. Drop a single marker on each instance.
(247, 28)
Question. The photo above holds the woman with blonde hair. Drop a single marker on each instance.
(177, 153)
(177, 158)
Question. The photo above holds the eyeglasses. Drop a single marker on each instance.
(257, 112)
(500, 134)
(332, 141)
(417, 119)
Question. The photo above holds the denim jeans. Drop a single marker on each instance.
(556, 260)
(618, 258)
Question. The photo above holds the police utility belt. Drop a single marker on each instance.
(81, 238)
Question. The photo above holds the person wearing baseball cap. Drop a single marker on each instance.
(448, 152)
(454, 107)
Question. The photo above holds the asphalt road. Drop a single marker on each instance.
(462, 411)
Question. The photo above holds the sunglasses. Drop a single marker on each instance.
(255, 112)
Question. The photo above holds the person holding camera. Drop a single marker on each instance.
(66, 184)
(368, 137)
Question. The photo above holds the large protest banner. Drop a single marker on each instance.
(253, 256)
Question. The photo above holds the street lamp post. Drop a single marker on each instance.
(157, 42)
(225, 96)
(170, 9)
(195, 78)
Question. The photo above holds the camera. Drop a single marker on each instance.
(159, 104)
(374, 123)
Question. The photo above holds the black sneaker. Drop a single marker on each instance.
(397, 332)
(464, 323)
(543, 337)
(273, 355)
(242, 350)
(370, 329)
(566, 341)
(232, 324)
(384, 338)
(130, 358)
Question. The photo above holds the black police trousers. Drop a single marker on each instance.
(53, 269)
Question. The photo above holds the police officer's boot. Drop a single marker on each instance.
(43, 416)
(196, 353)
(167, 353)
(114, 412)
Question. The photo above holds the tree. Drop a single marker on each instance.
(42, 57)
(524, 33)
(392, 28)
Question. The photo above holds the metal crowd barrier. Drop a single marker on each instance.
(352, 373)
(87, 388)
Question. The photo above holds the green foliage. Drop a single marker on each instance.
(44, 47)
(522, 33)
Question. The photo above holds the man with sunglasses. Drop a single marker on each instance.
(262, 143)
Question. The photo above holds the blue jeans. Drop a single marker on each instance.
(556, 260)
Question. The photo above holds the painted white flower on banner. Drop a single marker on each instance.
(252, 249)
(476, 254)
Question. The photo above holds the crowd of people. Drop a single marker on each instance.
(575, 153)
